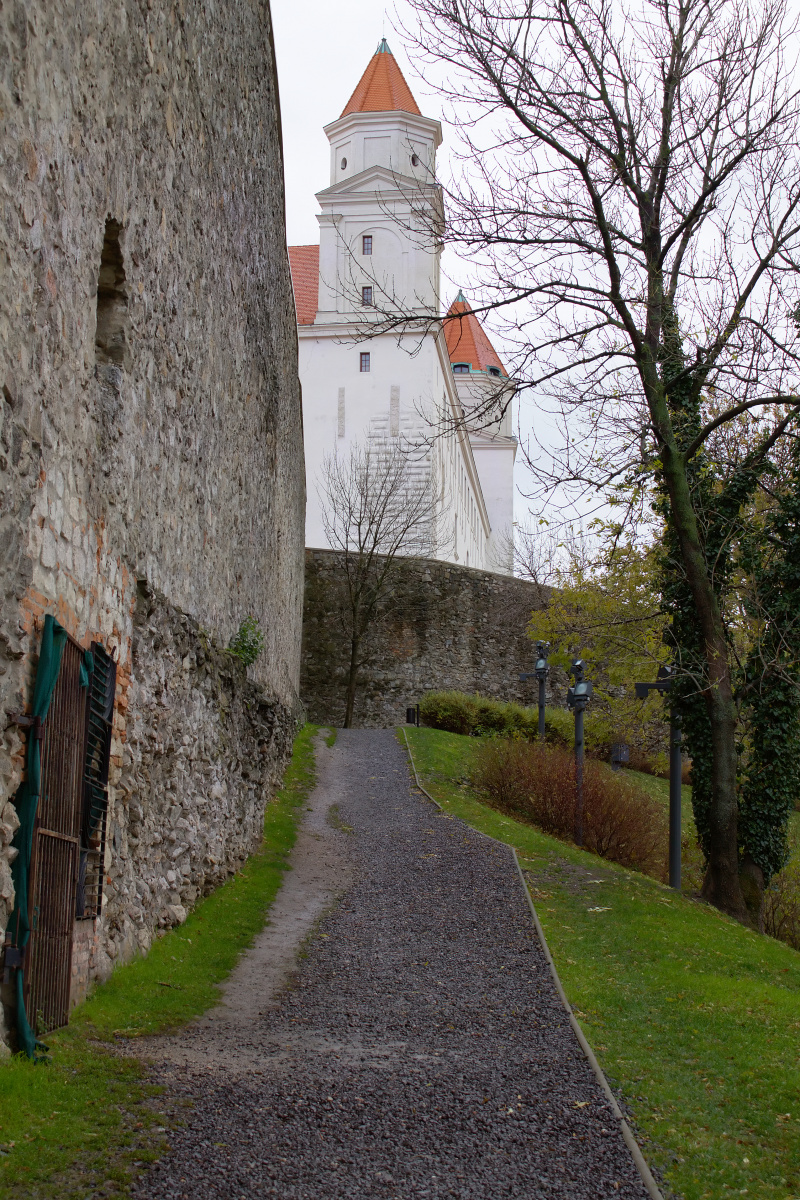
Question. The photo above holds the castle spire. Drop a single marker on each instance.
(382, 87)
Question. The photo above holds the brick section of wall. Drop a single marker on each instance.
(442, 626)
(167, 452)
(204, 751)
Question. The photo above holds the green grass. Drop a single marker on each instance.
(89, 1116)
(695, 1019)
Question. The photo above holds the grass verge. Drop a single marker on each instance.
(695, 1020)
(88, 1118)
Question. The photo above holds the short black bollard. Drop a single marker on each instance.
(620, 753)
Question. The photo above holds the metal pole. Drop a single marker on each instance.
(579, 774)
(675, 767)
(541, 705)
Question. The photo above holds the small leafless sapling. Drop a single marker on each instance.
(377, 505)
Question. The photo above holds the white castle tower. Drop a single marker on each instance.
(378, 255)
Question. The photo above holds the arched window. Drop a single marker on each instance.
(495, 371)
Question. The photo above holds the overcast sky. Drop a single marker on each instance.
(323, 48)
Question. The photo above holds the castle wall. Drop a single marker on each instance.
(442, 626)
(150, 428)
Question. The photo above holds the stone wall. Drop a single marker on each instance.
(150, 427)
(204, 751)
(442, 626)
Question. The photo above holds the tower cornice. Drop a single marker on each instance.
(426, 126)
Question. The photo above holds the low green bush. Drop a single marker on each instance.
(476, 716)
(497, 716)
(559, 727)
(454, 712)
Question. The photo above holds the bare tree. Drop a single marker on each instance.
(632, 191)
(378, 504)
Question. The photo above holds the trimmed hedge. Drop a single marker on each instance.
(477, 716)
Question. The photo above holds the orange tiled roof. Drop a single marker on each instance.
(382, 87)
(304, 263)
(466, 340)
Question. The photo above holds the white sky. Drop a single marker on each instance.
(323, 48)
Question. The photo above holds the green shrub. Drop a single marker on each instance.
(452, 711)
(559, 727)
(248, 642)
(497, 716)
(458, 712)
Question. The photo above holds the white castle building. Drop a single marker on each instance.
(378, 254)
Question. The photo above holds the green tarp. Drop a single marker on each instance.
(54, 639)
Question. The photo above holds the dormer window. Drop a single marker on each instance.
(366, 244)
(461, 368)
(366, 297)
(495, 371)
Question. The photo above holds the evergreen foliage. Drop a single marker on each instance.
(770, 684)
(480, 716)
(753, 560)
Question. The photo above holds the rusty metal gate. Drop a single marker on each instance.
(69, 834)
(56, 849)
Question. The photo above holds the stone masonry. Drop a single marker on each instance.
(150, 428)
(442, 626)
(204, 752)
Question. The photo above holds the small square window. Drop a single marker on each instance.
(366, 244)
(366, 297)
(365, 362)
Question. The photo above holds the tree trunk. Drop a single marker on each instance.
(352, 677)
(721, 886)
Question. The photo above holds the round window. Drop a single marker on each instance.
(343, 164)
(414, 160)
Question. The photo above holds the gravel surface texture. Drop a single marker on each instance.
(420, 1049)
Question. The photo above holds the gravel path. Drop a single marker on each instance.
(421, 1050)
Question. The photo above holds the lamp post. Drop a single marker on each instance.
(663, 683)
(540, 671)
(578, 697)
